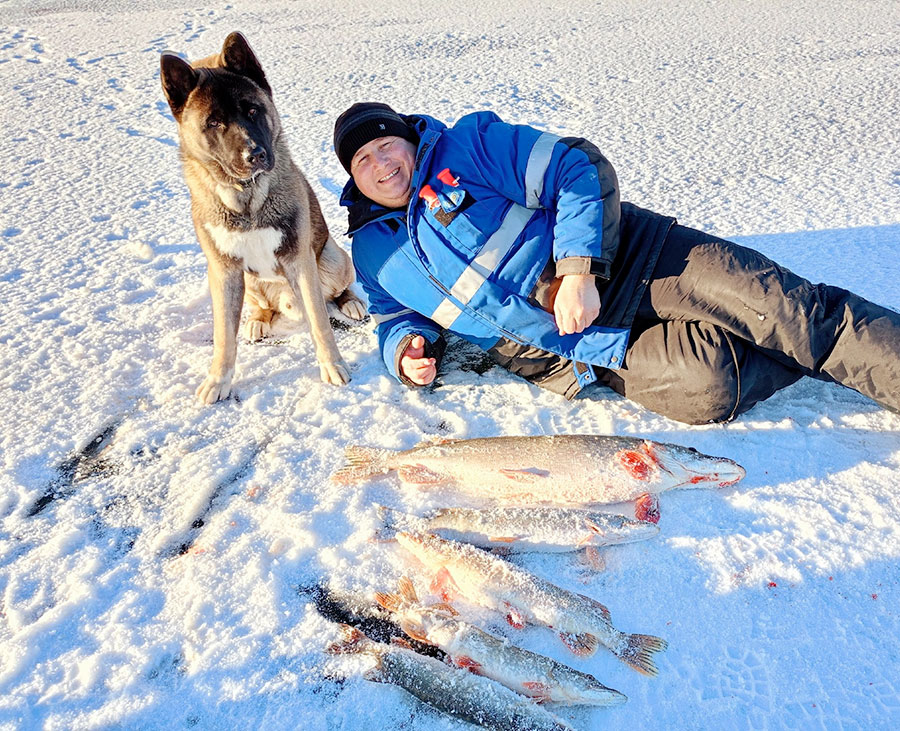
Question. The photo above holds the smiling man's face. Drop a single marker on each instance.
(382, 170)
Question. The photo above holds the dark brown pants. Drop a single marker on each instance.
(722, 327)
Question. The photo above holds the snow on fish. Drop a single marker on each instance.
(469, 647)
(519, 530)
(454, 691)
(582, 623)
(573, 470)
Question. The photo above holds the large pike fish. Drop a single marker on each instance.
(518, 530)
(558, 470)
(470, 697)
(484, 579)
(469, 647)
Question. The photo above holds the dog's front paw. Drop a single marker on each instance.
(337, 374)
(256, 330)
(353, 308)
(214, 388)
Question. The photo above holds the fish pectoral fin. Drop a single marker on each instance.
(582, 645)
(417, 474)
(514, 616)
(594, 559)
(530, 474)
(646, 508)
(445, 607)
(414, 630)
(537, 690)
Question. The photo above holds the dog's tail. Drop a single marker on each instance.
(362, 462)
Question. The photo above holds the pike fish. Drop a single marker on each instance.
(469, 647)
(519, 530)
(582, 623)
(459, 693)
(575, 470)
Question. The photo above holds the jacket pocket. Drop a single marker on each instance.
(463, 235)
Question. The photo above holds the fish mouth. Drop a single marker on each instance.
(730, 474)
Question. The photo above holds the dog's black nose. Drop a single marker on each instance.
(256, 157)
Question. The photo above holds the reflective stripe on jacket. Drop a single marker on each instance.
(497, 209)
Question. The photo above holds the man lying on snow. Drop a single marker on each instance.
(515, 239)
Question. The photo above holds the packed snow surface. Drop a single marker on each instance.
(162, 580)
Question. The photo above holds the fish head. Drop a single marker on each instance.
(689, 468)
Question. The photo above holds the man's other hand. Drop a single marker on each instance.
(415, 366)
(577, 303)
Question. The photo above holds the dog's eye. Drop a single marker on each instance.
(251, 111)
(212, 123)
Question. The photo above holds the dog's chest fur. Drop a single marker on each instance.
(255, 248)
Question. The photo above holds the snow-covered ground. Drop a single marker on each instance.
(163, 587)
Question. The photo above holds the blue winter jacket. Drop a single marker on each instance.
(497, 212)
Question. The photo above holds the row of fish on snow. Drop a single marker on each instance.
(460, 669)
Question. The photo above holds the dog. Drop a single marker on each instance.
(256, 218)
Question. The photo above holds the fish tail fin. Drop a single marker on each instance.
(639, 650)
(362, 462)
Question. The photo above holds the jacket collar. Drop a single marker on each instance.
(362, 211)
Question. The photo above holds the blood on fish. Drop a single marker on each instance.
(635, 464)
(468, 663)
(646, 508)
(515, 619)
(443, 584)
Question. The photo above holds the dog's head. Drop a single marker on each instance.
(223, 106)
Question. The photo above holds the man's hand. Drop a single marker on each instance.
(577, 303)
(415, 366)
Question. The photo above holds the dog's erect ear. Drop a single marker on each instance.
(238, 58)
(178, 81)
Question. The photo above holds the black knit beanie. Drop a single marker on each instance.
(364, 122)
